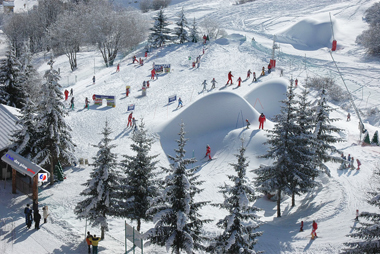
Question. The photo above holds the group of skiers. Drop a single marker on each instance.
(33, 214)
(92, 241)
(348, 162)
(132, 122)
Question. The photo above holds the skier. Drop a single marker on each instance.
(26, 212)
(239, 81)
(71, 92)
(282, 73)
(352, 163)
(204, 85)
(301, 228)
(72, 103)
(349, 157)
(179, 102)
(208, 152)
(37, 219)
(134, 59)
(88, 240)
(269, 68)
(204, 39)
(203, 51)
(93, 80)
(296, 82)
(359, 164)
(95, 241)
(262, 119)
(153, 73)
(249, 74)
(229, 78)
(144, 84)
(147, 84)
(193, 64)
(45, 213)
(213, 81)
(314, 232)
(248, 123)
(118, 67)
(146, 54)
(357, 215)
(130, 120)
(127, 91)
(86, 103)
(134, 125)
(66, 94)
(254, 77)
(140, 61)
(348, 117)
(263, 71)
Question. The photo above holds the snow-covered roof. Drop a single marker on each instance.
(8, 118)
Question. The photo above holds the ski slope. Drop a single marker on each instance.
(217, 117)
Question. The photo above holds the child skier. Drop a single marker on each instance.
(230, 76)
(249, 74)
(179, 102)
(134, 125)
(208, 152)
(263, 71)
(213, 82)
(248, 123)
(72, 103)
(239, 81)
(118, 67)
(357, 215)
(254, 77)
(86, 105)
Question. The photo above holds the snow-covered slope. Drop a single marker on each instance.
(217, 117)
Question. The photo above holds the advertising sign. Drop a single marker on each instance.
(172, 98)
(161, 68)
(42, 177)
(98, 99)
(131, 107)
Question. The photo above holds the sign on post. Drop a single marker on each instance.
(172, 98)
(133, 236)
(98, 99)
(161, 68)
(131, 107)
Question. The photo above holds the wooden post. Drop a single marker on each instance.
(14, 175)
(35, 187)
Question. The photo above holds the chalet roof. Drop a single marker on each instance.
(8, 118)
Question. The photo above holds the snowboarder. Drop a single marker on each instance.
(208, 152)
(30, 219)
(26, 212)
(153, 73)
(295, 83)
(66, 94)
(359, 164)
(301, 228)
(229, 78)
(262, 119)
(71, 92)
(239, 81)
(204, 85)
(86, 103)
(72, 103)
(93, 80)
(357, 215)
(37, 219)
(248, 123)
(95, 241)
(45, 213)
(249, 74)
(88, 241)
(269, 68)
(254, 77)
(179, 102)
(213, 82)
(348, 117)
(118, 67)
(314, 231)
(130, 120)
(263, 71)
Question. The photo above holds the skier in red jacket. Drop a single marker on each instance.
(239, 81)
(66, 94)
(262, 120)
(130, 120)
(153, 73)
(229, 78)
(296, 82)
(208, 152)
(249, 73)
(314, 232)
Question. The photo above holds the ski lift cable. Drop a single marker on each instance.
(332, 29)
(351, 100)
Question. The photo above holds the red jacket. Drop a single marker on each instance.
(208, 149)
(130, 117)
(153, 72)
(262, 118)
(229, 75)
(315, 226)
(269, 66)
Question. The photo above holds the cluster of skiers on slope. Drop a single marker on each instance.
(33, 214)
(348, 162)
(132, 122)
(92, 241)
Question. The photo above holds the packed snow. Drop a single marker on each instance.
(216, 117)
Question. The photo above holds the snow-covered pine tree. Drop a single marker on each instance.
(160, 31)
(368, 232)
(101, 187)
(139, 185)
(178, 225)
(12, 92)
(54, 141)
(194, 35)
(323, 135)
(240, 224)
(375, 138)
(180, 31)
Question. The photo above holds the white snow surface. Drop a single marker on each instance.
(217, 117)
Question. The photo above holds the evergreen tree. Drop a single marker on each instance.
(12, 92)
(160, 31)
(177, 222)
(101, 187)
(323, 135)
(241, 222)
(375, 138)
(139, 186)
(366, 138)
(194, 35)
(368, 232)
(180, 31)
(54, 141)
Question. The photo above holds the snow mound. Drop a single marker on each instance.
(230, 38)
(308, 34)
(258, 97)
(221, 111)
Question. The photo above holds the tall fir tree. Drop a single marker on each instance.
(375, 138)
(160, 31)
(101, 187)
(194, 34)
(12, 92)
(368, 232)
(54, 141)
(178, 224)
(180, 31)
(239, 226)
(323, 135)
(139, 186)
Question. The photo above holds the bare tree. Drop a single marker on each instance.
(212, 29)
